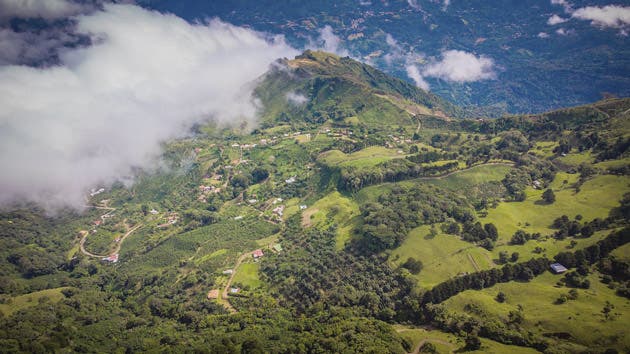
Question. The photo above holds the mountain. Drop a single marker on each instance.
(362, 215)
(316, 87)
(539, 64)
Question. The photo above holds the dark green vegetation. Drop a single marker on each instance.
(379, 208)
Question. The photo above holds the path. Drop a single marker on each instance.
(85, 234)
(472, 260)
(225, 293)
(434, 340)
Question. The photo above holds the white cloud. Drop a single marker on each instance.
(414, 4)
(543, 35)
(297, 99)
(365, 2)
(46, 9)
(460, 66)
(414, 73)
(446, 4)
(568, 7)
(330, 42)
(106, 110)
(564, 32)
(555, 20)
(613, 16)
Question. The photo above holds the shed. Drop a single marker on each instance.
(558, 268)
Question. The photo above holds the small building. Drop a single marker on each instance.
(257, 253)
(234, 290)
(303, 206)
(112, 258)
(558, 268)
(277, 247)
(153, 211)
(290, 180)
(213, 294)
(228, 271)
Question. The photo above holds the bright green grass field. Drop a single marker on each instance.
(367, 157)
(448, 343)
(582, 318)
(27, 300)
(338, 209)
(247, 275)
(471, 177)
(596, 198)
(444, 256)
(623, 252)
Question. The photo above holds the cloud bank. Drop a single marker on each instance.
(328, 41)
(106, 110)
(612, 16)
(460, 66)
(297, 99)
(46, 9)
(555, 20)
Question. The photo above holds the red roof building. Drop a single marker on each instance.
(258, 253)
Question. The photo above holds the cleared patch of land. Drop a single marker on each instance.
(581, 318)
(20, 302)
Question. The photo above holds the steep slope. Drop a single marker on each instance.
(317, 87)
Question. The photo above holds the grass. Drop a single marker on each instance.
(623, 252)
(247, 275)
(544, 148)
(367, 157)
(334, 208)
(448, 343)
(444, 256)
(581, 318)
(474, 176)
(208, 257)
(32, 299)
(576, 158)
(595, 199)
(613, 163)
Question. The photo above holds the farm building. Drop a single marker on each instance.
(558, 268)
(257, 253)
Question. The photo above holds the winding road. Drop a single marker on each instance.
(85, 234)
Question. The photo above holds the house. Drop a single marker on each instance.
(257, 253)
(153, 211)
(279, 210)
(97, 222)
(290, 180)
(112, 258)
(228, 271)
(277, 247)
(234, 290)
(303, 206)
(558, 268)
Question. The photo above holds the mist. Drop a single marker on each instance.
(106, 110)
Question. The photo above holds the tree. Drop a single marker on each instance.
(413, 265)
(259, 174)
(145, 209)
(492, 231)
(548, 196)
(608, 307)
(503, 257)
(501, 297)
(428, 347)
(472, 343)
(514, 257)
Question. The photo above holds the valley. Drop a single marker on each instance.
(386, 218)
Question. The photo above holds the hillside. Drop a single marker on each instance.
(361, 215)
(317, 87)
